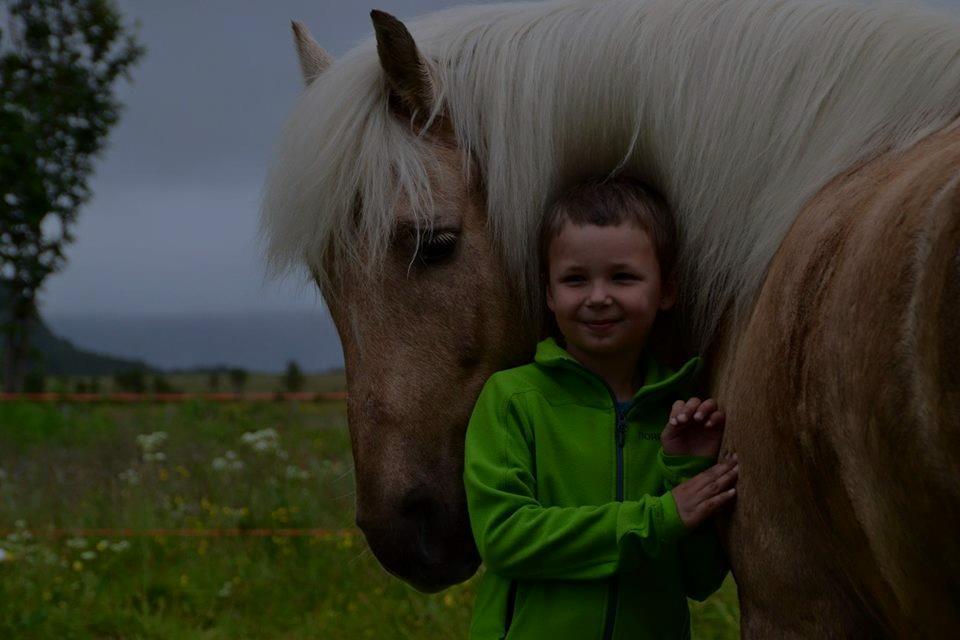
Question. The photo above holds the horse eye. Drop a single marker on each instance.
(436, 247)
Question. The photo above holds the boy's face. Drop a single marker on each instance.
(605, 289)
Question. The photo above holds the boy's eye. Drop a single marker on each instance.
(624, 276)
(568, 279)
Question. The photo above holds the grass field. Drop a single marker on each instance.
(205, 466)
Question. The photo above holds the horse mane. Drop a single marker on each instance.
(738, 112)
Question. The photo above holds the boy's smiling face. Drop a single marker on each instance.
(605, 289)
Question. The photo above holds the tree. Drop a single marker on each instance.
(238, 378)
(160, 385)
(293, 378)
(213, 380)
(130, 381)
(59, 61)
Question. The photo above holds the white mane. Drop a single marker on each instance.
(738, 111)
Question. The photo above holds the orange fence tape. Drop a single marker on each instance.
(186, 533)
(172, 397)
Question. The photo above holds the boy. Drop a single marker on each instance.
(575, 489)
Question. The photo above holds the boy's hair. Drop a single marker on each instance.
(608, 202)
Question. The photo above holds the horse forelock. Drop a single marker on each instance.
(737, 111)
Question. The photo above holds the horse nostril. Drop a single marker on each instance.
(416, 504)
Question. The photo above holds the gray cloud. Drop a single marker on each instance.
(172, 225)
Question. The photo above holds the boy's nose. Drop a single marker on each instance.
(599, 295)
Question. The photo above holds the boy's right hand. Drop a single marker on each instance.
(702, 495)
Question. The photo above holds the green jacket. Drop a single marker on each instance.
(566, 554)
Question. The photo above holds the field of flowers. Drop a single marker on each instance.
(157, 470)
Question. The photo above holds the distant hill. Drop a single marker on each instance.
(261, 341)
(60, 357)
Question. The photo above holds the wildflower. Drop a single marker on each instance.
(77, 543)
(296, 473)
(77, 565)
(130, 476)
(229, 462)
(4, 555)
(102, 545)
(226, 589)
(89, 555)
(119, 547)
(264, 441)
(152, 441)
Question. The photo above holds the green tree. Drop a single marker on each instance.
(213, 380)
(130, 381)
(293, 377)
(59, 61)
(161, 385)
(238, 378)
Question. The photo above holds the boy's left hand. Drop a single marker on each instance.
(695, 429)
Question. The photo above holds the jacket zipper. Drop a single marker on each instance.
(621, 438)
(511, 603)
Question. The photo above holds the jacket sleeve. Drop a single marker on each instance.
(703, 562)
(517, 537)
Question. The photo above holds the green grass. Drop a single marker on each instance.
(72, 466)
(200, 383)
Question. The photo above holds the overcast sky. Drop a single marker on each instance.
(172, 225)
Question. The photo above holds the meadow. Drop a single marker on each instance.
(206, 466)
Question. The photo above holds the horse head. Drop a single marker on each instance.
(425, 314)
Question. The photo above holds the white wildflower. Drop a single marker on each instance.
(89, 555)
(77, 543)
(229, 462)
(296, 473)
(149, 442)
(130, 476)
(263, 441)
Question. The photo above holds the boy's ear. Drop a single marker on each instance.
(550, 297)
(668, 293)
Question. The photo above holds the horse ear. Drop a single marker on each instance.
(313, 59)
(407, 71)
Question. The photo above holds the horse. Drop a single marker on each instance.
(811, 155)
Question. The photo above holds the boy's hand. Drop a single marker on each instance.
(702, 495)
(695, 429)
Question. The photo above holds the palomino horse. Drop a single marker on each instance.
(809, 153)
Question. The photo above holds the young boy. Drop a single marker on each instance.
(578, 496)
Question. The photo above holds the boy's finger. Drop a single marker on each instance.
(704, 410)
(711, 475)
(717, 419)
(674, 410)
(711, 505)
(688, 409)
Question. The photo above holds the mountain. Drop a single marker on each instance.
(58, 356)
(61, 357)
(258, 340)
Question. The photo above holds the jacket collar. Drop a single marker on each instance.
(657, 376)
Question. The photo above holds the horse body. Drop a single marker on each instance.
(823, 291)
(843, 400)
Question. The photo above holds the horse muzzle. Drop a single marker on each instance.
(421, 539)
